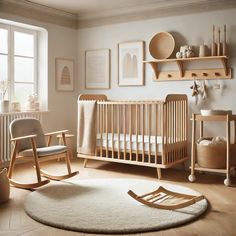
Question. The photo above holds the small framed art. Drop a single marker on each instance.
(64, 74)
(97, 69)
(130, 63)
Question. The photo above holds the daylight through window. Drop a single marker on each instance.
(18, 62)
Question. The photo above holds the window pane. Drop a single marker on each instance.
(23, 69)
(22, 91)
(23, 44)
(3, 41)
(3, 67)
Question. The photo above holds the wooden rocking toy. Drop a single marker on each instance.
(166, 199)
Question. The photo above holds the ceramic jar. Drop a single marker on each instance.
(203, 51)
(4, 106)
(4, 186)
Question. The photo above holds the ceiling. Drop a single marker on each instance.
(87, 13)
(92, 6)
(88, 9)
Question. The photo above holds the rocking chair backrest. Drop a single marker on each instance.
(24, 127)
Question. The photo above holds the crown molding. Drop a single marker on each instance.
(151, 11)
(163, 8)
(38, 12)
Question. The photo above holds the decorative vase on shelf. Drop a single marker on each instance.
(4, 186)
(4, 106)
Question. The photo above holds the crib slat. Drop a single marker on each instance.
(143, 123)
(106, 120)
(98, 128)
(167, 132)
(149, 132)
(118, 126)
(112, 129)
(182, 126)
(101, 128)
(178, 132)
(174, 130)
(156, 130)
(136, 130)
(130, 132)
(124, 123)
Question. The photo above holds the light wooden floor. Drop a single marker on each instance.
(219, 220)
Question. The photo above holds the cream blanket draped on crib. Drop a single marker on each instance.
(86, 138)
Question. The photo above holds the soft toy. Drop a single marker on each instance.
(185, 52)
(32, 103)
(195, 88)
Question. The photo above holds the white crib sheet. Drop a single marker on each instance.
(148, 145)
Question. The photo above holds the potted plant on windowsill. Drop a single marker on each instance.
(4, 104)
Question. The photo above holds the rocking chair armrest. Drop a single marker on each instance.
(24, 137)
(56, 132)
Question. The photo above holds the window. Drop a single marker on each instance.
(18, 61)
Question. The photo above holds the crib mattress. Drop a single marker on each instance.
(139, 142)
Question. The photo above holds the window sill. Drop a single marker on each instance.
(22, 112)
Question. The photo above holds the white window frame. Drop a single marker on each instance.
(7, 27)
(11, 29)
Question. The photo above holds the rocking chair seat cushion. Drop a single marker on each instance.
(44, 151)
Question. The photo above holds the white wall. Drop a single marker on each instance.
(71, 43)
(191, 29)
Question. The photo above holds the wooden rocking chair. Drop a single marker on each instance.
(30, 144)
(166, 199)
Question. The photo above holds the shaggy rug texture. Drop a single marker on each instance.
(103, 206)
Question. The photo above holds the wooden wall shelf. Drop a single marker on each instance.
(198, 74)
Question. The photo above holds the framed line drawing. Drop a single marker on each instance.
(97, 69)
(130, 63)
(64, 74)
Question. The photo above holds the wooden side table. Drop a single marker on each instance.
(68, 142)
(227, 119)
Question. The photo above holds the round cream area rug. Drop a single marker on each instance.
(103, 206)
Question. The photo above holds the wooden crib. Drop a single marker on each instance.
(147, 133)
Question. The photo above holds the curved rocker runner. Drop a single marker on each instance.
(166, 199)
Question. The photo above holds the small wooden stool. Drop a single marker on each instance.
(68, 142)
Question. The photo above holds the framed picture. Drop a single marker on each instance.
(97, 69)
(64, 74)
(130, 63)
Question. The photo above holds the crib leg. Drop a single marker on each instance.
(85, 162)
(159, 173)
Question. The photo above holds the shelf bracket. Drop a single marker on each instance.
(224, 63)
(180, 66)
(155, 68)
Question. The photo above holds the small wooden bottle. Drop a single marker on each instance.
(224, 45)
(219, 44)
(213, 44)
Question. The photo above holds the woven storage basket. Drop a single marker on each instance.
(211, 156)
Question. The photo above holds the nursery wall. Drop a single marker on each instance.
(71, 43)
(194, 29)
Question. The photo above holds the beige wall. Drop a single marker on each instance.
(71, 43)
(188, 29)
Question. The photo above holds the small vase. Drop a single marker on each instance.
(4, 186)
(4, 106)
